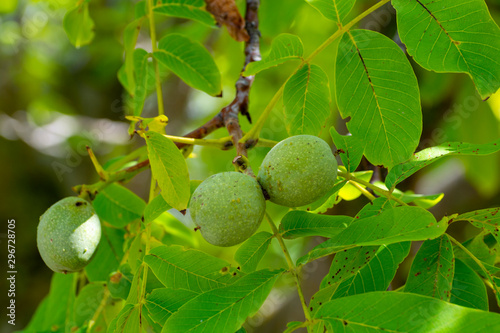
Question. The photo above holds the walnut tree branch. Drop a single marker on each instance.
(227, 117)
(240, 103)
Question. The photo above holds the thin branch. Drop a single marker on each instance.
(291, 267)
(240, 103)
(227, 117)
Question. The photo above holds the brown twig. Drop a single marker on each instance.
(227, 117)
(241, 100)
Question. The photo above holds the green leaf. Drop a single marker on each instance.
(427, 156)
(404, 223)
(120, 281)
(306, 98)
(375, 276)
(335, 10)
(487, 219)
(128, 320)
(87, 302)
(136, 287)
(452, 36)
(108, 256)
(347, 263)
(106, 317)
(78, 25)
(252, 250)
(376, 87)
(421, 200)
(351, 149)
(158, 205)
(163, 302)
(374, 208)
(427, 315)
(8, 6)
(136, 251)
(468, 288)
(431, 273)
(191, 62)
(130, 35)
(155, 208)
(118, 205)
(193, 270)
(224, 309)
(142, 81)
(302, 224)
(170, 231)
(478, 247)
(293, 325)
(169, 169)
(189, 9)
(284, 47)
(51, 314)
(140, 9)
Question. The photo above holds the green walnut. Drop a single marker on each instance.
(227, 208)
(68, 235)
(298, 171)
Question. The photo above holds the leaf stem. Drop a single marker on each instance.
(152, 31)
(255, 131)
(363, 191)
(222, 143)
(291, 266)
(88, 192)
(344, 28)
(385, 193)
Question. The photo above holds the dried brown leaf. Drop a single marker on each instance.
(226, 13)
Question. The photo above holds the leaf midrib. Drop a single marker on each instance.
(374, 94)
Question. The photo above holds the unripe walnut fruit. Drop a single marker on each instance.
(298, 171)
(68, 235)
(228, 208)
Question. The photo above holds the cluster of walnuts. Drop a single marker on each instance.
(227, 207)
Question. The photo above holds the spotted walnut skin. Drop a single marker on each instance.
(68, 235)
(298, 171)
(228, 208)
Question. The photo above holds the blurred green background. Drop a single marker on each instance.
(56, 99)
